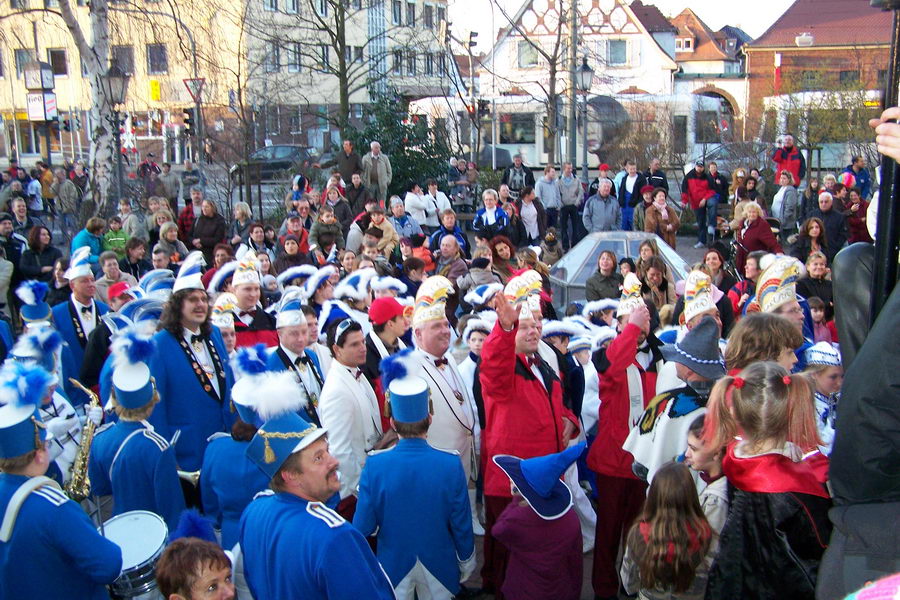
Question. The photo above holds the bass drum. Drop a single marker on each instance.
(142, 537)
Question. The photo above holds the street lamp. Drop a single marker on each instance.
(584, 77)
(115, 87)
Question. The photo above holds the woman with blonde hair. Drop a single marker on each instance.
(754, 234)
(240, 226)
(738, 180)
(157, 220)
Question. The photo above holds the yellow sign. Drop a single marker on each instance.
(872, 103)
(155, 92)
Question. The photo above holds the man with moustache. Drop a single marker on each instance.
(293, 546)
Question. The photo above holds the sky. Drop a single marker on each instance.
(753, 17)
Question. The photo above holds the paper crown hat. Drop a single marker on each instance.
(524, 293)
(316, 280)
(355, 286)
(296, 276)
(223, 310)
(79, 264)
(223, 273)
(38, 347)
(823, 353)
(190, 273)
(131, 379)
(431, 299)
(777, 284)
(33, 295)
(246, 272)
(698, 297)
(22, 390)
(538, 480)
(406, 393)
(698, 350)
(388, 283)
(631, 295)
(482, 294)
(290, 310)
(283, 431)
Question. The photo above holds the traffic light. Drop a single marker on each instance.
(484, 108)
(67, 125)
(188, 119)
(472, 110)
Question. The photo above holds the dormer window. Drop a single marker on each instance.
(684, 44)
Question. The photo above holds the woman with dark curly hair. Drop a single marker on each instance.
(810, 239)
(502, 251)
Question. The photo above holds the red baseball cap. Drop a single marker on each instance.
(117, 289)
(384, 309)
(604, 167)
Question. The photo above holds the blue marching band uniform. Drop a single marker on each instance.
(173, 399)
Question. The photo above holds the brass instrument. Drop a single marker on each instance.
(79, 485)
(191, 477)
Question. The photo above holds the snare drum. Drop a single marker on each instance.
(142, 537)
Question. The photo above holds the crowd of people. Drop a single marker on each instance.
(349, 402)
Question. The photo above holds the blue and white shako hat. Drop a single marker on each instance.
(190, 273)
(79, 264)
(483, 322)
(158, 283)
(388, 283)
(22, 391)
(38, 347)
(295, 276)
(283, 430)
(553, 328)
(407, 396)
(143, 310)
(577, 344)
(223, 274)
(598, 306)
(131, 380)
(317, 280)
(355, 286)
(538, 479)
(250, 366)
(290, 310)
(33, 295)
(482, 294)
(823, 353)
(602, 335)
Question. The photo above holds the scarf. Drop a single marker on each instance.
(661, 207)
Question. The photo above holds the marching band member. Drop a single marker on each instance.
(229, 479)
(129, 459)
(389, 323)
(454, 419)
(292, 355)
(293, 546)
(415, 498)
(348, 408)
(190, 369)
(97, 348)
(253, 325)
(49, 548)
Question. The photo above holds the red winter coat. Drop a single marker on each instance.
(758, 236)
(696, 188)
(606, 455)
(521, 418)
(856, 224)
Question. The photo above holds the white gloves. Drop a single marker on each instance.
(59, 427)
(94, 414)
(466, 568)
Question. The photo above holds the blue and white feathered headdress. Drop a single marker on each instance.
(190, 273)
(132, 350)
(33, 294)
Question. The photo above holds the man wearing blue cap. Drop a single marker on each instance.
(191, 370)
(48, 546)
(416, 497)
(129, 459)
(293, 546)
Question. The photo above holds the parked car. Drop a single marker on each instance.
(273, 163)
(734, 155)
(569, 275)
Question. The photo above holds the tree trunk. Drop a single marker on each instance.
(552, 116)
(343, 66)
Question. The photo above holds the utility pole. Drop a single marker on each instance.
(573, 51)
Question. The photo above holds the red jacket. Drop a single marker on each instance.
(791, 161)
(856, 224)
(696, 188)
(606, 455)
(521, 418)
(260, 331)
(758, 236)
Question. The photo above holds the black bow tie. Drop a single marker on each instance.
(358, 374)
(250, 313)
(86, 310)
(534, 361)
(441, 362)
(196, 338)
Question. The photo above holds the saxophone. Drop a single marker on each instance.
(79, 485)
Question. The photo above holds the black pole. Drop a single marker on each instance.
(47, 142)
(118, 137)
(887, 235)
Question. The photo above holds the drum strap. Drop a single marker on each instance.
(122, 447)
(16, 502)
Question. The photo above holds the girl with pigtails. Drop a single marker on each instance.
(777, 527)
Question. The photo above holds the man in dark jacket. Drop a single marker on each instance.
(857, 168)
(697, 191)
(357, 195)
(517, 176)
(789, 158)
(835, 225)
(630, 193)
(347, 162)
(719, 182)
(655, 176)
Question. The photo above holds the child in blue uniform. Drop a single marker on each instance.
(129, 459)
(49, 548)
(416, 497)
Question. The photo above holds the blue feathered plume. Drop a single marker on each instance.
(132, 347)
(45, 341)
(23, 385)
(32, 292)
(397, 366)
(251, 360)
(192, 525)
